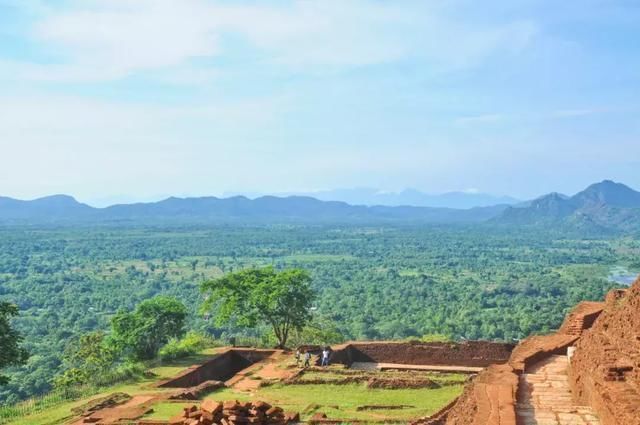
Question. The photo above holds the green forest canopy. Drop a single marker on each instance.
(11, 353)
(372, 281)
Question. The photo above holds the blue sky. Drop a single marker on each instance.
(138, 99)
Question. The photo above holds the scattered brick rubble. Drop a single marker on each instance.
(234, 413)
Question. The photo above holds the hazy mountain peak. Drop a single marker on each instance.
(406, 197)
(42, 209)
(59, 199)
(609, 193)
(552, 197)
(606, 204)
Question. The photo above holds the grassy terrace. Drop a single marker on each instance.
(62, 412)
(342, 401)
(339, 401)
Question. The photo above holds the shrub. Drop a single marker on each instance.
(139, 334)
(190, 344)
(434, 338)
(74, 377)
(128, 371)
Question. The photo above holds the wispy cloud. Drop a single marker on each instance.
(567, 113)
(242, 95)
(480, 119)
(471, 190)
(75, 140)
(104, 40)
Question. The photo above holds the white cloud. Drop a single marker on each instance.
(52, 143)
(327, 33)
(480, 119)
(116, 37)
(110, 39)
(568, 113)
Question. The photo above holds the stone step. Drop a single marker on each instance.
(545, 398)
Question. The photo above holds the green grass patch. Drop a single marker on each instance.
(342, 401)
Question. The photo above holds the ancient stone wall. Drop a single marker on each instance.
(470, 354)
(221, 368)
(490, 399)
(605, 367)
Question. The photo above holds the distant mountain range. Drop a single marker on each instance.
(606, 205)
(63, 208)
(602, 206)
(407, 197)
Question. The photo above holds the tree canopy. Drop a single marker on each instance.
(90, 355)
(262, 295)
(152, 324)
(11, 354)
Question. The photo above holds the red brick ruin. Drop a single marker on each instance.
(588, 372)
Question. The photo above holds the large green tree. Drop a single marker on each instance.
(11, 354)
(319, 331)
(142, 332)
(280, 299)
(87, 358)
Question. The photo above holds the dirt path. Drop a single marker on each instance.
(545, 397)
(132, 409)
(271, 368)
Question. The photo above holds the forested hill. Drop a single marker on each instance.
(606, 206)
(300, 209)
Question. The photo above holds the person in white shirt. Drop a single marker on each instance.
(325, 356)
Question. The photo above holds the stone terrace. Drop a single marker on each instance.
(544, 396)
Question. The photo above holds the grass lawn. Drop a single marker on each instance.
(341, 401)
(52, 416)
(60, 413)
(337, 401)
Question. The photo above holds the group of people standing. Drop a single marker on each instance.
(306, 358)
